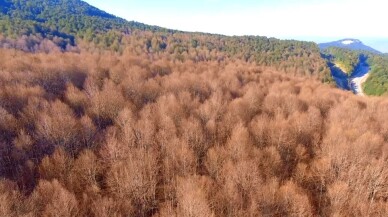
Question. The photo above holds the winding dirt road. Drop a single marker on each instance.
(358, 77)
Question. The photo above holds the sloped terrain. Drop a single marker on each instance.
(71, 25)
(120, 135)
(160, 124)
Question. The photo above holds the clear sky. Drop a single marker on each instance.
(314, 20)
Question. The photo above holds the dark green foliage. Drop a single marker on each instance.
(64, 19)
(347, 59)
(291, 56)
(377, 82)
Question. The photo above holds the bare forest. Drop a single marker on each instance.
(154, 131)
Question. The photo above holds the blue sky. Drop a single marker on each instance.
(312, 20)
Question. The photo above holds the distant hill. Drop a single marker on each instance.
(61, 21)
(68, 16)
(351, 44)
(46, 25)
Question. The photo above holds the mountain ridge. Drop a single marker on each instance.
(349, 43)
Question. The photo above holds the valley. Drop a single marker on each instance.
(353, 80)
(357, 67)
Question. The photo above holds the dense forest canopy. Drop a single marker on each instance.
(43, 25)
(133, 120)
(67, 25)
(67, 16)
(377, 83)
(135, 134)
(62, 21)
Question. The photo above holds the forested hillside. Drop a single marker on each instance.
(294, 57)
(137, 135)
(346, 59)
(69, 25)
(104, 117)
(377, 83)
(61, 22)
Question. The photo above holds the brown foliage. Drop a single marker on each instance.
(57, 125)
(191, 196)
(135, 179)
(51, 199)
(183, 133)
